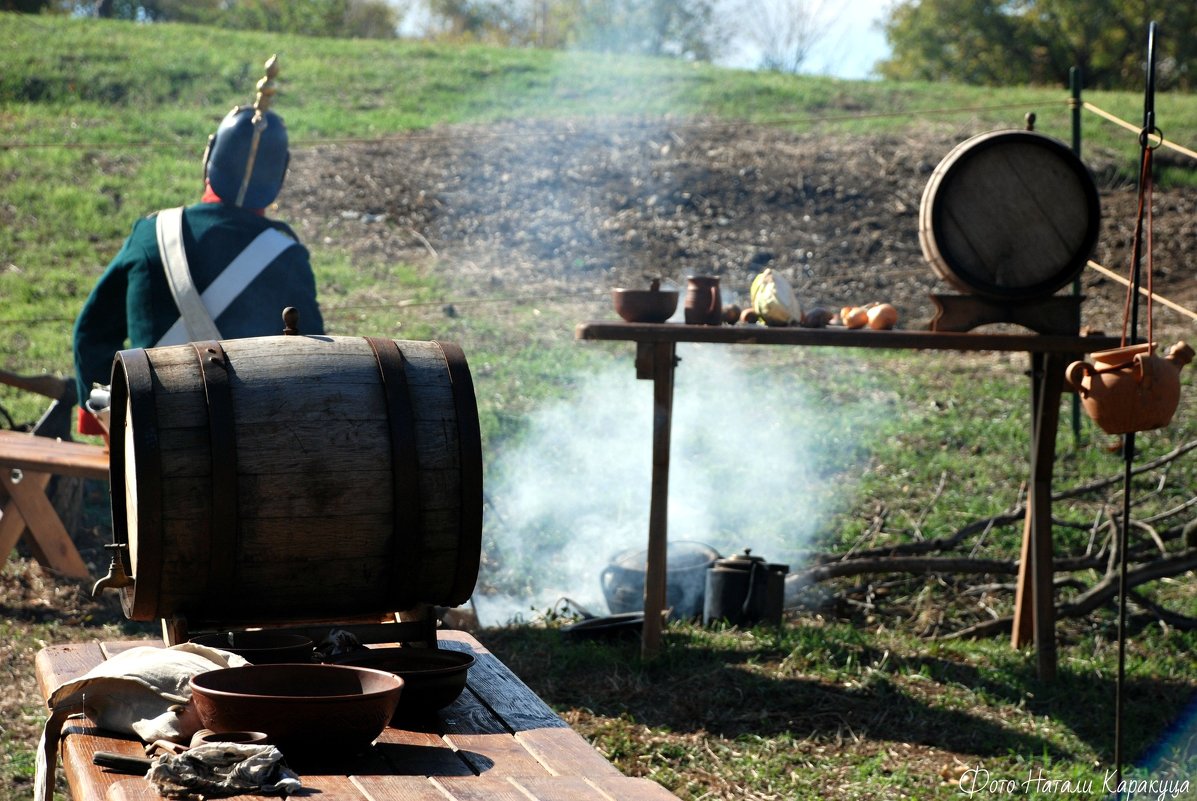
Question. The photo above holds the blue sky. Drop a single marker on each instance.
(853, 42)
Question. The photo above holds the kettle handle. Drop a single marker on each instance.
(1145, 367)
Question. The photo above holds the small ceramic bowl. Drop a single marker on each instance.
(645, 305)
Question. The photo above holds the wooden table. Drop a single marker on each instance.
(27, 508)
(656, 360)
(498, 741)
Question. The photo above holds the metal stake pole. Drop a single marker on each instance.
(1129, 441)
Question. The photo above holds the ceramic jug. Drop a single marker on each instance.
(704, 303)
(1130, 388)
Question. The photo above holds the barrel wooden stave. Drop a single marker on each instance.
(315, 487)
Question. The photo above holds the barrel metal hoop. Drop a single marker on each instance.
(469, 438)
(408, 535)
(223, 537)
(133, 388)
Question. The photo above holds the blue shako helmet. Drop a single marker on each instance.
(246, 158)
(233, 162)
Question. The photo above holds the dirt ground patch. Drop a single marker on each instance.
(554, 207)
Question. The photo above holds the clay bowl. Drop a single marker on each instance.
(432, 678)
(644, 305)
(301, 708)
(261, 647)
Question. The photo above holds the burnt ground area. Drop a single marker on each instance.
(586, 206)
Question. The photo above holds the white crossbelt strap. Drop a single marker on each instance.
(197, 312)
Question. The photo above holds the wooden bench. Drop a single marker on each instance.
(497, 741)
(25, 507)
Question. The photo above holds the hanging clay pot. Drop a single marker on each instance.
(1130, 388)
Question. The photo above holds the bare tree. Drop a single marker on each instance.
(786, 31)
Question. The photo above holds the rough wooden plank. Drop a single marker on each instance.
(57, 664)
(502, 691)
(329, 788)
(401, 788)
(626, 788)
(481, 788)
(416, 753)
(111, 648)
(80, 742)
(496, 754)
(564, 751)
(560, 788)
(131, 790)
(29, 452)
(843, 337)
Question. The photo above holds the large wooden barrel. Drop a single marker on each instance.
(1009, 214)
(295, 478)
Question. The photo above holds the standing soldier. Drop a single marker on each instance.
(218, 269)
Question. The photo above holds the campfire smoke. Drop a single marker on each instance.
(753, 465)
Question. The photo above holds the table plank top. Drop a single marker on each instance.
(45, 455)
(497, 741)
(841, 337)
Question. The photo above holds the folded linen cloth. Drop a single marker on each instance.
(142, 691)
(219, 769)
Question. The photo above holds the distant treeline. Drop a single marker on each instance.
(979, 42)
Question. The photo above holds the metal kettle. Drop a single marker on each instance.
(744, 590)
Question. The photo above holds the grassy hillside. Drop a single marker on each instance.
(101, 122)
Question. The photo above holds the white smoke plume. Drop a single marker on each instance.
(753, 465)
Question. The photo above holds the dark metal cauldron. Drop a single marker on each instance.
(686, 565)
(744, 590)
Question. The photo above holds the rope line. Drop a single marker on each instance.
(1155, 296)
(1137, 129)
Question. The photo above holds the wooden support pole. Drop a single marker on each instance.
(663, 362)
(1043, 458)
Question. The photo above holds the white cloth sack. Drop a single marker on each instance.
(142, 691)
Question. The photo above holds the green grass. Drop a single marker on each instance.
(102, 121)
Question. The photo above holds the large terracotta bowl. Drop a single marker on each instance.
(432, 678)
(301, 708)
(644, 305)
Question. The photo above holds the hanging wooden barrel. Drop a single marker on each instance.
(295, 478)
(1009, 214)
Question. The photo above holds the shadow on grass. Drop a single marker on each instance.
(698, 684)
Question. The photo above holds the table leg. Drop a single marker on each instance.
(1023, 631)
(663, 360)
(46, 531)
(1042, 549)
(1034, 602)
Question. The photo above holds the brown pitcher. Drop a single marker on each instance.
(704, 303)
(1130, 388)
